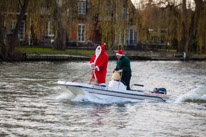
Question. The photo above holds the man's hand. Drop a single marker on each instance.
(119, 71)
(93, 67)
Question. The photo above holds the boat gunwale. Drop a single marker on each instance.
(113, 91)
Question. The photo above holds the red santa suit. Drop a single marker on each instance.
(100, 60)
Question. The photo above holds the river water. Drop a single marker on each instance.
(32, 104)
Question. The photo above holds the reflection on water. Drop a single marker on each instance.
(32, 104)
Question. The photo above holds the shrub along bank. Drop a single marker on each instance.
(49, 54)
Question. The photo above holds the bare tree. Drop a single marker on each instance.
(13, 40)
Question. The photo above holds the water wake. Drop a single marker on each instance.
(197, 95)
(91, 98)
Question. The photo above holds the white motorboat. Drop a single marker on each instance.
(115, 90)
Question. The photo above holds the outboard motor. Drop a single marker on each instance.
(159, 90)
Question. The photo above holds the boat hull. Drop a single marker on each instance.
(107, 92)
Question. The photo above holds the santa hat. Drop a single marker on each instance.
(120, 53)
(103, 46)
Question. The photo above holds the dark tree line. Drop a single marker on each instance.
(184, 24)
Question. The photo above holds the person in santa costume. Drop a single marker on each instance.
(123, 67)
(99, 65)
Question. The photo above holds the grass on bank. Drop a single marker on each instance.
(52, 51)
(84, 52)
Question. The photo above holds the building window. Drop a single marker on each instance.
(82, 7)
(49, 31)
(13, 23)
(131, 36)
(68, 11)
(81, 32)
(59, 2)
(122, 38)
(124, 13)
(21, 30)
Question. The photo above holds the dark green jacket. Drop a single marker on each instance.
(124, 64)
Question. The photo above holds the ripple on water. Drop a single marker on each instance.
(32, 104)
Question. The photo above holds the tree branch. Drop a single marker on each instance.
(21, 16)
(20, 3)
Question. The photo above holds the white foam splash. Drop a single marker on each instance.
(199, 93)
(63, 96)
(91, 98)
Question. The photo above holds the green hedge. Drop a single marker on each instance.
(52, 51)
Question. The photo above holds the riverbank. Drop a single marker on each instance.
(48, 54)
(167, 56)
(139, 56)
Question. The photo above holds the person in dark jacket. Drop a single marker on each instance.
(123, 66)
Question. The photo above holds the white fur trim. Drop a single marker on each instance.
(97, 68)
(119, 54)
(91, 65)
(97, 52)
